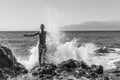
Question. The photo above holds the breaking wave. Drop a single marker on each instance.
(86, 53)
(71, 50)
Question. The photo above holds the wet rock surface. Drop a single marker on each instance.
(9, 67)
(74, 70)
(69, 68)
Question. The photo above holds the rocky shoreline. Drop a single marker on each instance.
(67, 70)
(9, 67)
(74, 70)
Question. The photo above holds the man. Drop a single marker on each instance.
(42, 44)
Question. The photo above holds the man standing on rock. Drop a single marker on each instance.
(42, 44)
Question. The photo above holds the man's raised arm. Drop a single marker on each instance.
(26, 35)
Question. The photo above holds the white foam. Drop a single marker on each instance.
(32, 60)
(85, 52)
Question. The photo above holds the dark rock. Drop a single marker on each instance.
(5, 61)
(79, 73)
(71, 65)
(93, 75)
(100, 69)
(84, 65)
(102, 50)
(3, 75)
(77, 69)
(97, 69)
(48, 69)
(19, 68)
(9, 64)
(67, 65)
(6, 57)
(80, 69)
(105, 78)
(35, 71)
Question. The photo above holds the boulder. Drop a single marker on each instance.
(19, 68)
(105, 78)
(48, 69)
(84, 65)
(71, 65)
(9, 64)
(46, 72)
(68, 65)
(101, 51)
(3, 76)
(97, 69)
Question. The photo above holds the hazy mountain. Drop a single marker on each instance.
(94, 25)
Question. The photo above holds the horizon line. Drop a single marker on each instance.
(61, 30)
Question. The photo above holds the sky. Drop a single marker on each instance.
(29, 14)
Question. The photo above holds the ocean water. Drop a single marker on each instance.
(26, 51)
(20, 44)
(101, 38)
(17, 42)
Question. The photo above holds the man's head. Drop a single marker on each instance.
(42, 26)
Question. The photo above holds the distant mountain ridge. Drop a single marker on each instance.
(94, 26)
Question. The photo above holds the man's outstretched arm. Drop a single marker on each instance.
(26, 35)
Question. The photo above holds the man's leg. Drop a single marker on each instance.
(40, 57)
(39, 53)
(43, 57)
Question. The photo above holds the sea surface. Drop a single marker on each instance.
(20, 45)
(26, 51)
(101, 38)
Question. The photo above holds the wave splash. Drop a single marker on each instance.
(86, 53)
(32, 60)
(71, 50)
